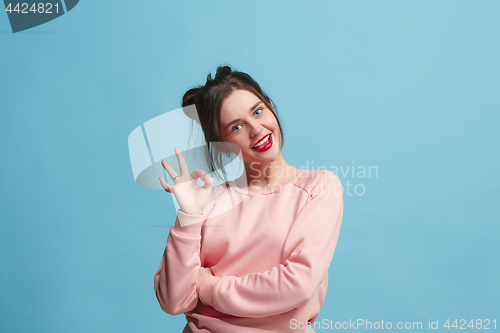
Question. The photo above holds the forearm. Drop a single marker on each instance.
(175, 280)
(272, 292)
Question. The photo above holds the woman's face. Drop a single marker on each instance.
(247, 121)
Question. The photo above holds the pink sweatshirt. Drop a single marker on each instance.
(269, 253)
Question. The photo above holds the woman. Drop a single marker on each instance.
(260, 263)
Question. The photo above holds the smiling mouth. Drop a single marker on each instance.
(262, 142)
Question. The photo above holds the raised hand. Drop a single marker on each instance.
(191, 197)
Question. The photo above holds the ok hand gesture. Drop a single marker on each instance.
(191, 197)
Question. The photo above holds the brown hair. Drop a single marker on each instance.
(208, 100)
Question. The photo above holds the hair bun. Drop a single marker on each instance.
(189, 98)
(222, 72)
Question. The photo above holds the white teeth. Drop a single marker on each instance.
(263, 143)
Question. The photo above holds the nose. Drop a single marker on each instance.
(256, 128)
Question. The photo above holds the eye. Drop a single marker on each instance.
(236, 128)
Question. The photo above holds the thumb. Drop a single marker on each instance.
(209, 181)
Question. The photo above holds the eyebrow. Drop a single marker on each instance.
(236, 120)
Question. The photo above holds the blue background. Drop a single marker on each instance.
(411, 87)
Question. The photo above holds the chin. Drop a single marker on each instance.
(266, 157)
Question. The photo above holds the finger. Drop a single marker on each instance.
(164, 184)
(197, 173)
(171, 172)
(182, 162)
(209, 181)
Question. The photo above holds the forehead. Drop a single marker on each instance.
(238, 103)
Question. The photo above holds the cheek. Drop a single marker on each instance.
(270, 119)
(273, 125)
(237, 144)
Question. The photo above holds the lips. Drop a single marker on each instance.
(264, 138)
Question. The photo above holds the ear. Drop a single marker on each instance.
(225, 149)
(228, 148)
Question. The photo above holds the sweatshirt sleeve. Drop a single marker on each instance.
(308, 250)
(176, 279)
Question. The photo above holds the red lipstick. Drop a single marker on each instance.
(267, 145)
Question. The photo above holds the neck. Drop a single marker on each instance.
(261, 175)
